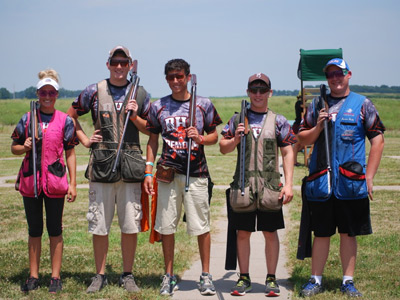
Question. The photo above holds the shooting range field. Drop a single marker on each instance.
(378, 264)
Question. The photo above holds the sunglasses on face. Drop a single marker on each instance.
(171, 77)
(116, 62)
(47, 93)
(261, 90)
(337, 73)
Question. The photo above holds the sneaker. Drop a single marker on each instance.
(206, 286)
(349, 289)
(272, 287)
(242, 286)
(98, 282)
(55, 285)
(311, 288)
(30, 284)
(169, 285)
(128, 283)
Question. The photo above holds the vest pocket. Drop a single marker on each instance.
(132, 166)
(270, 199)
(24, 183)
(57, 183)
(241, 203)
(351, 181)
(318, 186)
(103, 162)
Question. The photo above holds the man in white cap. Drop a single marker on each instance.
(339, 198)
(109, 101)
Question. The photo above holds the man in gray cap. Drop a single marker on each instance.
(260, 208)
(109, 101)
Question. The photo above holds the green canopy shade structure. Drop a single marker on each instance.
(313, 61)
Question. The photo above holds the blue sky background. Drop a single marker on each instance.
(225, 41)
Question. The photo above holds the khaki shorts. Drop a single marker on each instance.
(103, 197)
(172, 195)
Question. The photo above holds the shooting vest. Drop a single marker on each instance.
(51, 174)
(262, 177)
(111, 122)
(347, 149)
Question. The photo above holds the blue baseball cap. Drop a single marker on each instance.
(339, 62)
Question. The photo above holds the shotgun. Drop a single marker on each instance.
(242, 146)
(192, 117)
(326, 134)
(135, 80)
(34, 150)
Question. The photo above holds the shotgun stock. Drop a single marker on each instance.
(135, 80)
(242, 146)
(192, 117)
(34, 131)
(326, 134)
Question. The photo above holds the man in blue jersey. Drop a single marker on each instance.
(169, 117)
(339, 199)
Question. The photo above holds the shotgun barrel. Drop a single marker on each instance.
(242, 146)
(192, 117)
(135, 81)
(326, 135)
(33, 124)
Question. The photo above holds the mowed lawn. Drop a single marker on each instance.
(378, 267)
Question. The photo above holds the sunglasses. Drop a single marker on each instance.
(171, 77)
(261, 90)
(337, 73)
(122, 62)
(47, 93)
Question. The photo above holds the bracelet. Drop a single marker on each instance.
(133, 118)
(145, 175)
(148, 172)
(201, 139)
(149, 163)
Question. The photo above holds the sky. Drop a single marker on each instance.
(224, 41)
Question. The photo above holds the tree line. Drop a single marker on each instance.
(30, 93)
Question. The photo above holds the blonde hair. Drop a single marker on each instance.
(49, 73)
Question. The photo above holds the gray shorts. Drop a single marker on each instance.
(171, 197)
(104, 197)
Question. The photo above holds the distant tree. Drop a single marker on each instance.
(30, 93)
(4, 94)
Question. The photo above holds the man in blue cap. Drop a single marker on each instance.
(338, 198)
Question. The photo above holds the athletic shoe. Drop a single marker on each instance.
(349, 289)
(311, 288)
(169, 285)
(128, 283)
(272, 287)
(206, 286)
(242, 286)
(98, 282)
(55, 285)
(30, 284)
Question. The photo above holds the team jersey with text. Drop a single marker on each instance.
(170, 118)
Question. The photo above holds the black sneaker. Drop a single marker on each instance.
(311, 288)
(55, 285)
(206, 285)
(98, 282)
(242, 286)
(349, 289)
(128, 283)
(30, 284)
(271, 287)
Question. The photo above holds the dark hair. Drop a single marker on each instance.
(177, 64)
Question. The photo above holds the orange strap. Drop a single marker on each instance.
(144, 223)
(154, 235)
